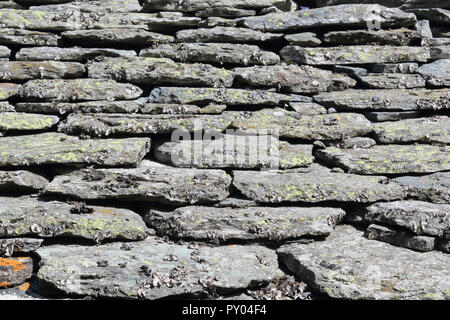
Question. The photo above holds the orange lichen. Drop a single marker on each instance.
(4, 284)
(25, 286)
(15, 264)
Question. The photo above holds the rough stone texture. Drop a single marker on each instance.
(10, 246)
(28, 38)
(304, 39)
(307, 108)
(422, 218)
(406, 67)
(315, 185)
(21, 180)
(392, 81)
(297, 79)
(440, 52)
(8, 90)
(403, 4)
(129, 106)
(197, 5)
(239, 54)
(27, 70)
(78, 90)
(14, 271)
(57, 148)
(437, 73)
(380, 116)
(349, 266)
(69, 54)
(225, 34)
(434, 187)
(255, 223)
(94, 6)
(16, 121)
(113, 36)
(354, 54)
(157, 184)
(425, 130)
(354, 72)
(40, 20)
(396, 37)
(145, 271)
(418, 99)
(4, 52)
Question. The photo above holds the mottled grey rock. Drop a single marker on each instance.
(422, 218)
(315, 184)
(156, 71)
(21, 180)
(129, 106)
(391, 115)
(163, 108)
(116, 36)
(99, 124)
(8, 90)
(230, 97)
(434, 15)
(225, 34)
(5, 106)
(388, 159)
(403, 4)
(26, 216)
(93, 6)
(348, 265)
(433, 187)
(307, 108)
(297, 79)
(78, 90)
(435, 41)
(396, 99)
(21, 293)
(400, 238)
(236, 203)
(212, 22)
(396, 37)
(440, 52)
(392, 81)
(57, 148)
(292, 125)
(225, 12)
(27, 37)
(154, 269)
(354, 15)
(11, 246)
(423, 27)
(10, 5)
(304, 39)
(27, 70)
(235, 151)
(240, 54)
(435, 129)
(197, 5)
(69, 54)
(354, 72)
(158, 184)
(357, 142)
(40, 20)
(254, 223)
(362, 54)
(4, 52)
(17, 121)
(407, 67)
(437, 73)
(14, 271)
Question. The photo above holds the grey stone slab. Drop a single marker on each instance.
(20, 180)
(22, 37)
(18, 121)
(395, 37)
(69, 54)
(392, 81)
(116, 36)
(225, 34)
(433, 187)
(28, 70)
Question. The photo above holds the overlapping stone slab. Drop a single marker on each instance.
(297, 79)
(437, 73)
(433, 14)
(225, 34)
(11, 246)
(40, 20)
(362, 54)
(395, 37)
(4, 52)
(8, 90)
(255, 223)
(17, 121)
(157, 184)
(197, 5)
(127, 106)
(433, 187)
(14, 271)
(78, 90)
(404, 4)
(20, 180)
(405, 67)
(154, 269)
(69, 54)
(381, 116)
(93, 6)
(392, 81)
(315, 184)
(426, 130)
(156, 71)
(23, 37)
(389, 159)
(5, 106)
(348, 265)
(27, 70)
(239, 54)
(58, 148)
(289, 124)
(26, 216)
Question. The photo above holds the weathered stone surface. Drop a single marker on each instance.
(400, 238)
(423, 27)
(10, 5)
(225, 34)
(40, 20)
(28, 38)
(434, 15)
(354, 72)
(212, 22)
(17, 121)
(433, 187)
(93, 6)
(407, 67)
(398, 99)
(347, 265)
(437, 73)
(69, 54)
(27, 70)
(154, 269)
(14, 271)
(18, 245)
(307, 108)
(426, 130)
(392, 81)
(158, 184)
(315, 184)
(158, 71)
(129, 106)
(396, 37)
(403, 4)
(389, 159)
(391, 115)
(235, 151)
(225, 12)
(362, 54)
(240, 54)
(255, 223)
(5, 106)
(355, 15)
(13, 181)
(56, 148)
(304, 39)
(113, 36)
(422, 218)
(21, 292)
(78, 90)
(236, 203)
(297, 79)
(26, 216)
(197, 5)
(8, 90)
(229, 97)
(100, 125)
(4, 52)
(440, 52)
(318, 127)
(357, 142)
(435, 41)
